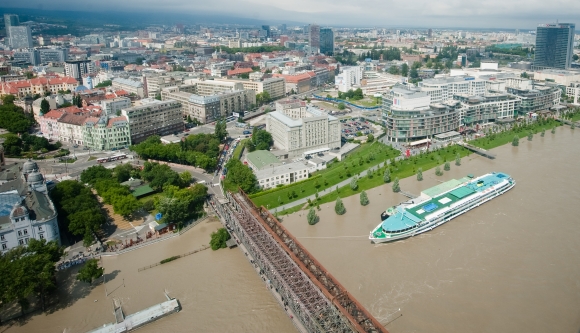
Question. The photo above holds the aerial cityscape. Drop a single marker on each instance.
(289, 167)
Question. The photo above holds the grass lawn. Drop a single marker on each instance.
(362, 158)
(500, 139)
(365, 103)
(574, 115)
(238, 151)
(152, 196)
(290, 210)
(401, 169)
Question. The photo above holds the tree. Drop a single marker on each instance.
(8, 99)
(447, 166)
(516, 141)
(96, 173)
(530, 136)
(90, 271)
(341, 106)
(312, 218)
(122, 172)
(553, 130)
(524, 75)
(221, 131)
(339, 207)
(158, 97)
(387, 176)
(396, 187)
(364, 199)
(419, 174)
(394, 70)
(543, 133)
(44, 107)
(414, 74)
(405, 69)
(573, 126)
(105, 83)
(47, 93)
(219, 239)
(370, 138)
(457, 159)
(239, 175)
(353, 183)
(185, 178)
(438, 171)
(261, 140)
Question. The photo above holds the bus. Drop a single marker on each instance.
(112, 158)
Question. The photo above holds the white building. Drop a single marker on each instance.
(573, 90)
(282, 174)
(26, 211)
(443, 89)
(110, 107)
(349, 77)
(131, 86)
(297, 128)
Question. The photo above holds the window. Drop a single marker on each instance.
(2, 237)
(41, 236)
(19, 233)
(4, 247)
(26, 231)
(20, 242)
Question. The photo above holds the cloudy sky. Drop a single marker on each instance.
(367, 13)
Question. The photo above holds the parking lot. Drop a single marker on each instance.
(350, 128)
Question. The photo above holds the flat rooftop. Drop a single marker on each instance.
(262, 158)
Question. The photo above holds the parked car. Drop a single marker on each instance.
(247, 132)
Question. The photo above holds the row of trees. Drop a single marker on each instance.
(78, 210)
(263, 98)
(353, 95)
(29, 271)
(14, 145)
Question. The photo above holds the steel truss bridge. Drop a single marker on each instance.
(319, 302)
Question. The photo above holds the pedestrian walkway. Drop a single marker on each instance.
(330, 189)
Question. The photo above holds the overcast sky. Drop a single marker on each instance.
(368, 13)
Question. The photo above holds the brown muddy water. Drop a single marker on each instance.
(510, 265)
(218, 290)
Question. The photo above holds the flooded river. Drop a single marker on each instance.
(218, 290)
(511, 265)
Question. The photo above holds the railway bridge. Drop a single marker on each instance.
(317, 300)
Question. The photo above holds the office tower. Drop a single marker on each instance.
(20, 37)
(266, 28)
(326, 41)
(314, 36)
(554, 45)
(430, 33)
(10, 20)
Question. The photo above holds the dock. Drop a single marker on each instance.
(477, 150)
(138, 319)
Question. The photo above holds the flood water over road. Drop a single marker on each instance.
(510, 265)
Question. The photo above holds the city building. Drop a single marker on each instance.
(283, 174)
(20, 37)
(10, 20)
(314, 36)
(275, 87)
(113, 106)
(26, 210)
(351, 76)
(39, 85)
(554, 45)
(539, 98)
(27, 56)
(154, 82)
(326, 41)
(78, 68)
(133, 87)
(55, 54)
(484, 109)
(443, 89)
(153, 117)
(103, 133)
(409, 115)
(298, 128)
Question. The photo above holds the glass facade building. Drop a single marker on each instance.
(554, 45)
(326, 41)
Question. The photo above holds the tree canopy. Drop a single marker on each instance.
(221, 131)
(179, 205)
(239, 175)
(219, 239)
(90, 271)
(78, 209)
(13, 118)
(261, 140)
(105, 83)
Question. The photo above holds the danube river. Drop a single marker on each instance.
(511, 265)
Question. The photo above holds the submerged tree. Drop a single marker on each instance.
(364, 199)
(396, 187)
(543, 133)
(420, 174)
(573, 126)
(553, 130)
(530, 136)
(219, 239)
(447, 166)
(339, 207)
(516, 141)
(387, 175)
(312, 218)
(438, 171)
(457, 159)
(90, 271)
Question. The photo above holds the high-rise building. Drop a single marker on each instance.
(326, 41)
(267, 32)
(554, 45)
(20, 37)
(430, 33)
(314, 36)
(10, 20)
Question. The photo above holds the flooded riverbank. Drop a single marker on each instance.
(218, 290)
(511, 265)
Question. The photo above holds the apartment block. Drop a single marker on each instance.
(134, 87)
(275, 87)
(153, 117)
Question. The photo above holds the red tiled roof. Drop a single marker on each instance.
(121, 93)
(73, 119)
(54, 114)
(114, 120)
(239, 71)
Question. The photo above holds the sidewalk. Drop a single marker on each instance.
(330, 189)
